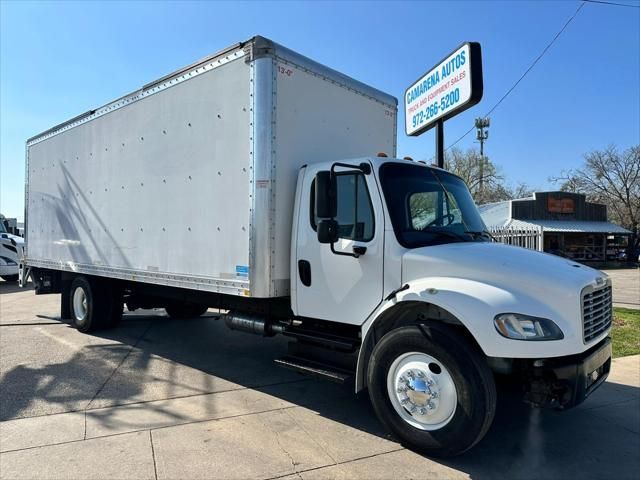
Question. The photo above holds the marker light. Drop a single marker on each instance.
(517, 326)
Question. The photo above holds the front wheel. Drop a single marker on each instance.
(10, 278)
(432, 389)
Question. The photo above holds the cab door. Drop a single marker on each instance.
(329, 284)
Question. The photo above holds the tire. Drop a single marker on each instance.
(94, 304)
(181, 311)
(10, 278)
(454, 405)
(65, 301)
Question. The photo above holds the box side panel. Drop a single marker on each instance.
(317, 119)
(157, 190)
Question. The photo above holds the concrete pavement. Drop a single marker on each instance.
(164, 399)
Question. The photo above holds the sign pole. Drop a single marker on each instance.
(440, 143)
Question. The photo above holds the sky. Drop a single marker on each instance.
(60, 59)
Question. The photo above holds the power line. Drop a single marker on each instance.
(526, 71)
(615, 4)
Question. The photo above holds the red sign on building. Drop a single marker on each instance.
(560, 205)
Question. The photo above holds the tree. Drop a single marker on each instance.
(610, 177)
(521, 190)
(494, 189)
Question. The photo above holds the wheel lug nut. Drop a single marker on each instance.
(420, 374)
(430, 406)
(422, 411)
(434, 394)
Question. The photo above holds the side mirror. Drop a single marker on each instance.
(326, 205)
(327, 231)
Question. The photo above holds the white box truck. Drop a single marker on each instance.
(257, 181)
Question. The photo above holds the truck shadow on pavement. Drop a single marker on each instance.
(151, 358)
(12, 287)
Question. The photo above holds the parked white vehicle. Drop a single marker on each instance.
(10, 253)
(251, 181)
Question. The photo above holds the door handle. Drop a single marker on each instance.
(304, 270)
(359, 250)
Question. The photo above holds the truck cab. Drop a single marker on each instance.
(399, 249)
(10, 252)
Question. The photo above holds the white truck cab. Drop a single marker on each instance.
(251, 182)
(10, 253)
(403, 247)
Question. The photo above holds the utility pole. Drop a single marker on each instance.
(482, 135)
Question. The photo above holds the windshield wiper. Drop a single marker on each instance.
(482, 233)
(447, 233)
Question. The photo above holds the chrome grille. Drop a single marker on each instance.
(596, 312)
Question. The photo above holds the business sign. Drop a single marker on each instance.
(449, 88)
(560, 205)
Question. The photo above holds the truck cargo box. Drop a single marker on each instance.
(189, 181)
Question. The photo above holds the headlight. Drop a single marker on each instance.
(524, 327)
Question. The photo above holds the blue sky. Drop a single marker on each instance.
(59, 59)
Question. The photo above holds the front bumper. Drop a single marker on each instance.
(567, 381)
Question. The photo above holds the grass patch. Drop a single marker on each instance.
(625, 334)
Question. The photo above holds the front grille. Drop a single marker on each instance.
(596, 312)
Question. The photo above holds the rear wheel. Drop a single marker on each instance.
(10, 278)
(94, 304)
(432, 389)
(185, 310)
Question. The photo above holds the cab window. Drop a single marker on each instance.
(355, 211)
(423, 210)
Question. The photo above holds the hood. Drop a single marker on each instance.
(505, 266)
(11, 246)
(8, 236)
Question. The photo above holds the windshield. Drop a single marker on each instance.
(429, 207)
(2, 228)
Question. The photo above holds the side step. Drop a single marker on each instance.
(333, 342)
(315, 369)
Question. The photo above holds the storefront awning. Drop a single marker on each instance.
(571, 226)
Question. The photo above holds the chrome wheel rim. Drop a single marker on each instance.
(422, 391)
(80, 308)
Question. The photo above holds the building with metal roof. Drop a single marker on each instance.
(562, 223)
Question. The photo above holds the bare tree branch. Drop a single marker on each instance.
(466, 164)
(610, 177)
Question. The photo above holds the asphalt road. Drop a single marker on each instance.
(161, 399)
